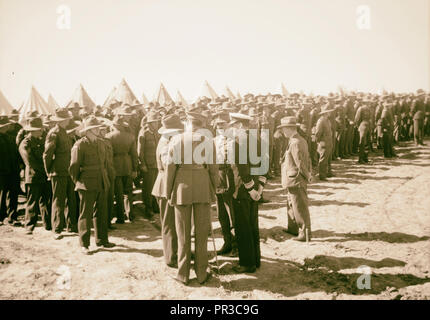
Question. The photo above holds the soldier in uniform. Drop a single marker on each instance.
(418, 111)
(38, 187)
(362, 122)
(147, 142)
(56, 159)
(249, 188)
(9, 168)
(171, 126)
(226, 186)
(296, 174)
(125, 165)
(190, 187)
(89, 171)
(110, 192)
(323, 136)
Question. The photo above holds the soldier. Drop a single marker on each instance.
(362, 122)
(427, 117)
(323, 136)
(296, 174)
(88, 169)
(38, 187)
(125, 165)
(418, 111)
(385, 129)
(190, 188)
(172, 126)
(9, 168)
(249, 187)
(110, 170)
(226, 188)
(146, 151)
(56, 160)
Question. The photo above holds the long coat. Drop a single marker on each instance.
(191, 183)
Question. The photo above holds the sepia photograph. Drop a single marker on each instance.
(214, 155)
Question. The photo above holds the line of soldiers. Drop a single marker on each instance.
(81, 166)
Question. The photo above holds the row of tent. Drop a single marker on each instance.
(122, 94)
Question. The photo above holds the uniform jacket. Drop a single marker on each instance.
(225, 172)
(124, 152)
(56, 157)
(147, 142)
(297, 167)
(363, 118)
(159, 189)
(109, 160)
(31, 150)
(89, 165)
(244, 179)
(9, 155)
(418, 110)
(323, 133)
(190, 183)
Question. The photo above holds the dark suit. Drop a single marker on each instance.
(246, 210)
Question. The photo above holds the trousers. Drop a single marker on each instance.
(201, 216)
(247, 232)
(92, 210)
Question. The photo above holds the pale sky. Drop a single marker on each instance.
(249, 45)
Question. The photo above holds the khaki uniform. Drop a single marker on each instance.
(125, 163)
(146, 151)
(38, 187)
(56, 159)
(167, 212)
(89, 171)
(190, 188)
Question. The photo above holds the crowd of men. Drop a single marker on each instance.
(81, 166)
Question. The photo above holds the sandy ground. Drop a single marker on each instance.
(375, 215)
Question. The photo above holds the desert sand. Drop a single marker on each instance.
(375, 215)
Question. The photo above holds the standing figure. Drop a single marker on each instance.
(9, 168)
(296, 174)
(89, 171)
(56, 159)
(125, 165)
(147, 142)
(37, 184)
(249, 187)
(191, 181)
(171, 127)
(323, 136)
